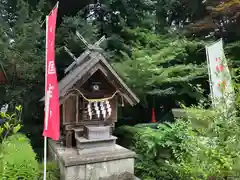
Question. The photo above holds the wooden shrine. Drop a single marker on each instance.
(89, 95)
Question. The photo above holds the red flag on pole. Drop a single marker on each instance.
(153, 116)
(52, 116)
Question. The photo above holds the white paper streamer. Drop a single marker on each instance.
(109, 110)
(89, 110)
(103, 110)
(97, 109)
(98, 113)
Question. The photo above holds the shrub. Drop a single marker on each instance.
(19, 160)
(11, 123)
(126, 135)
(159, 148)
(154, 148)
(205, 144)
(217, 152)
(53, 173)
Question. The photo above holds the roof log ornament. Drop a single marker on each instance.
(90, 48)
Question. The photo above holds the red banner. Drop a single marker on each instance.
(52, 116)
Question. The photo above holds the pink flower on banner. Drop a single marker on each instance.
(219, 68)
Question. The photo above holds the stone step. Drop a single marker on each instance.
(97, 132)
(84, 143)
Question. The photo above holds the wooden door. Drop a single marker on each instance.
(70, 110)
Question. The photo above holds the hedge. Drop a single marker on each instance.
(18, 159)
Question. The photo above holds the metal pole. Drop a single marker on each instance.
(46, 107)
(47, 94)
(45, 20)
(45, 158)
(210, 77)
(45, 137)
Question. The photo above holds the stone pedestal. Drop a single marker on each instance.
(99, 163)
(83, 143)
(97, 132)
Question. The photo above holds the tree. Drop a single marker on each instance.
(22, 54)
(22, 43)
(161, 65)
(222, 20)
(66, 36)
(130, 50)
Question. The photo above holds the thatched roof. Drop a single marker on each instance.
(95, 61)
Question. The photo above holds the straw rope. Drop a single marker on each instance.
(94, 100)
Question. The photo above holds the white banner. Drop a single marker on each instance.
(219, 74)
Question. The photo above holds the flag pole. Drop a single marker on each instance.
(209, 76)
(56, 5)
(46, 108)
(45, 159)
(45, 137)
(48, 92)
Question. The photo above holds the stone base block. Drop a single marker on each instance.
(116, 163)
(97, 132)
(83, 143)
(122, 176)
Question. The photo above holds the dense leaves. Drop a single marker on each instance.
(222, 19)
(203, 145)
(19, 160)
(162, 66)
(52, 173)
(22, 44)
(11, 123)
(22, 54)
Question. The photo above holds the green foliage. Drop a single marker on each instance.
(237, 90)
(157, 148)
(200, 124)
(161, 65)
(204, 144)
(234, 54)
(151, 64)
(159, 16)
(218, 153)
(12, 123)
(220, 21)
(19, 160)
(22, 56)
(133, 13)
(22, 43)
(127, 135)
(53, 173)
(66, 36)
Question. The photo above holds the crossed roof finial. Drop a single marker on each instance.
(90, 48)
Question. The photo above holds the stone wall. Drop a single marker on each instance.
(117, 163)
(109, 170)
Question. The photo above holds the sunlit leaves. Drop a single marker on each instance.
(158, 65)
(11, 123)
(16, 128)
